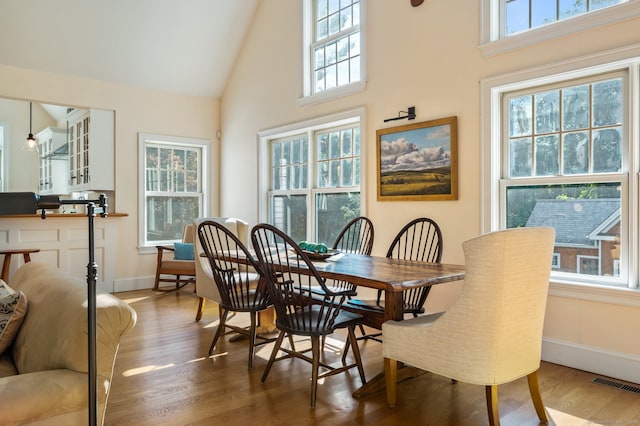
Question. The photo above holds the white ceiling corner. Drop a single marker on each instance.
(179, 46)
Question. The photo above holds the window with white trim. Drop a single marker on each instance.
(511, 24)
(173, 173)
(560, 150)
(313, 173)
(524, 15)
(333, 60)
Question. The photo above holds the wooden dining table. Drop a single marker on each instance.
(392, 276)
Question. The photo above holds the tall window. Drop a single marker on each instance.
(333, 51)
(172, 176)
(560, 154)
(313, 176)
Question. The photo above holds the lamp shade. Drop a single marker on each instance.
(26, 202)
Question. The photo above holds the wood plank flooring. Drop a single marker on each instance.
(163, 376)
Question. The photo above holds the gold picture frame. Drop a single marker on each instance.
(418, 161)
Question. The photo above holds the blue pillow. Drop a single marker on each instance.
(183, 251)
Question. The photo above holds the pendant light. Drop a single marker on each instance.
(30, 144)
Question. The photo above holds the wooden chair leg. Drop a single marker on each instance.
(219, 331)
(356, 353)
(272, 358)
(200, 308)
(492, 405)
(315, 350)
(345, 351)
(252, 337)
(534, 390)
(391, 378)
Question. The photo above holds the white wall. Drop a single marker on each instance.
(427, 57)
(137, 110)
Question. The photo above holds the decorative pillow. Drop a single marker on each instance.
(13, 307)
(183, 251)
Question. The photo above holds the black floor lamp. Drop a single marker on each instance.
(29, 203)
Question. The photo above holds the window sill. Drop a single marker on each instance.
(613, 14)
(596, 293)
(328, 95)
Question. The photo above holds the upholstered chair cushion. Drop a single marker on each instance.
(183, 251)
(13, 307)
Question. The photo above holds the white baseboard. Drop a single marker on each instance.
(596, 360)
(129, 284)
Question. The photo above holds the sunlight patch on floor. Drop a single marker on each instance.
(134, 299)
(214, 323)
(146, 369)
(331, 346)
(561, 418)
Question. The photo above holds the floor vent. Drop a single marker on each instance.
(617, 385)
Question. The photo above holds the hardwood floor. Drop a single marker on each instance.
(163, 376)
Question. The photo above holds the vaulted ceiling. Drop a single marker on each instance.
(180, 46)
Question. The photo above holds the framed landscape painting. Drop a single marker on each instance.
(418, 161)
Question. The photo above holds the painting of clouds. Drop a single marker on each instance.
(417, 161)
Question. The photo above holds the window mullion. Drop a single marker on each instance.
(333, 37)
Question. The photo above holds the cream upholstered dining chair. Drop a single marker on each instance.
(492, 333)
(206, 287)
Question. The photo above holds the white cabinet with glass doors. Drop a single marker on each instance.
(91, 150)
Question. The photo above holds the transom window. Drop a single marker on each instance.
(314, 179)
(511, 24)
(523, 15)
(172, 173)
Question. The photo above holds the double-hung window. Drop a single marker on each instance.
(333, 57)
(311, 177)
(172, 175)
(562, 151)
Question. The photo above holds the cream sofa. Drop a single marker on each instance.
(43, 375)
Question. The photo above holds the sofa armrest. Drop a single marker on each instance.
(27, 398)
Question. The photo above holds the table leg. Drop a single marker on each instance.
(393, 305)
(267, 321)
(392, 310)
(377, 384)
(266, 324)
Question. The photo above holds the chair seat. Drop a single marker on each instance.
(182, 267)
(310, 316)
(317, 290)
(379, 306)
